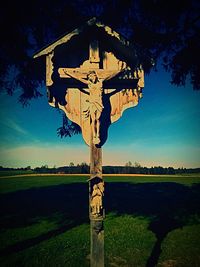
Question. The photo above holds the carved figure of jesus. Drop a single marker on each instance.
(95, 109)
(95, 86)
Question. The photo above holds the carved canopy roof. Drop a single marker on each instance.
(92, 28)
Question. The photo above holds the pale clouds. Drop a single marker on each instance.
(16, 132)
(43, 154)
(62, 155)
(13, 126)
(166, 155)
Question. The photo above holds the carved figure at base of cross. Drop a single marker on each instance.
(95, 103)
(96, 199)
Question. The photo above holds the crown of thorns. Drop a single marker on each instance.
(91, 72)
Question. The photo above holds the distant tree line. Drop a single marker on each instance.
(28, 168)
(84, 168)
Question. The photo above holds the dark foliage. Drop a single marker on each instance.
(168, 30)
(68, 128)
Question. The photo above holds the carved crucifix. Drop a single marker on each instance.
(96, 93)
(94, 80)
(100, 99)
(90, 75)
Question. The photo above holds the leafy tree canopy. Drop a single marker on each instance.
(168, 30)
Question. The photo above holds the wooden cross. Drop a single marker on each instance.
(94, 106)
(91, 75)
(89, 101)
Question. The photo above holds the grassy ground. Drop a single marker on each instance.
(14, 172)
(151, 221)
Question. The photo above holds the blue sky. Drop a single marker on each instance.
(164, 129)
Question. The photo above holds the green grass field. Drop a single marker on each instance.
(151, 221)
(15, 172)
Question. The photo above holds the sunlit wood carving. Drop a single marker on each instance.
(94, 103)
(96, 202)
(93, 75)
(106, 82)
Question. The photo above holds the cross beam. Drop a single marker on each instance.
(126, 80)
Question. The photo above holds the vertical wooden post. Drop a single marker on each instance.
(96, 220)
(96, 185)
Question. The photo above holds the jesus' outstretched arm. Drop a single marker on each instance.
(76, 75)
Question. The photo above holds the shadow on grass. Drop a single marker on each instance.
(168, 205)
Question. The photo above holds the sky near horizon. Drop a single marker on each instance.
(163, 130)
